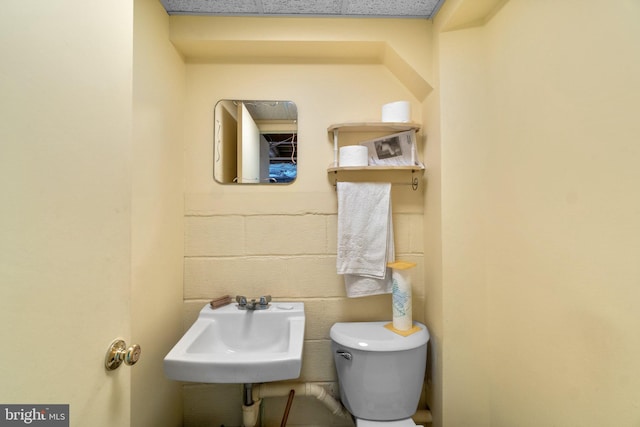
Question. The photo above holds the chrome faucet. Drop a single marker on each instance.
(261, 304)
(241, 300)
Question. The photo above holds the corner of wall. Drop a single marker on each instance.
(157, 204)
(461, 14)
(408, 75)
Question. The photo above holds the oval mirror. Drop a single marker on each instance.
(255, 142)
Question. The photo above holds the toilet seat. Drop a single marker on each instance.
(407, 422)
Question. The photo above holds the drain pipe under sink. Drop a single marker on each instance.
(259, 391)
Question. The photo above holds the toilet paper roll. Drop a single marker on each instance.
(399, 111)
(354, 155)
(401, 300)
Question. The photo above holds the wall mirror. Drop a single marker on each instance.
(255, 142)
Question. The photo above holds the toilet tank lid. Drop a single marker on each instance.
(373, 336)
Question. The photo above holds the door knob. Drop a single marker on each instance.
(118, 353)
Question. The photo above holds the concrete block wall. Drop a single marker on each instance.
(292, 257)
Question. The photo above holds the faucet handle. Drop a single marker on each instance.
(241, 300)
(264, 300)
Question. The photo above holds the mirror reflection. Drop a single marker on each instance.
(255, 142)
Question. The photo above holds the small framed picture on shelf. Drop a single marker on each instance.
(398, 149)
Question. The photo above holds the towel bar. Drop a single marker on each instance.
(414, 181)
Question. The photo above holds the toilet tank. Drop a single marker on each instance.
(380, 373)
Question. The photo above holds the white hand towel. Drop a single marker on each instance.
(361, 286)
(365, 237)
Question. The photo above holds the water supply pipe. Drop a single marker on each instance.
(287, 408)
(260, 391)
(301, 389)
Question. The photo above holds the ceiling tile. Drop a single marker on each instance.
(302, 7)
(353, 8)
(421, 8)
(196, 7)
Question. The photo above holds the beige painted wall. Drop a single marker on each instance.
(463, 216)
(281, 239)
(540, 216)
(433, 246)
(243, 243)
(157, 210)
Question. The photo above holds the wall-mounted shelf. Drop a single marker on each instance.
(414, 168)
(374, 127)
(390, 127)
(349, 171)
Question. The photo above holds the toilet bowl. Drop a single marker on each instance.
(380, 373)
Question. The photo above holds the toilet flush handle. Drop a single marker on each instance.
(345, 354)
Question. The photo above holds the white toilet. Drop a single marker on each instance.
(380, 372)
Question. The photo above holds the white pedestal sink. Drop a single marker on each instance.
(230, 345)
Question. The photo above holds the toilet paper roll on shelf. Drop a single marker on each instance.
(354, 155)
(399, 111)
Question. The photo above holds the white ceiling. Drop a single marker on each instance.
(328, 8)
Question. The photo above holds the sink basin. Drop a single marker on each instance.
(230, 345)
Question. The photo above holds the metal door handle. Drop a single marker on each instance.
(118, 353)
